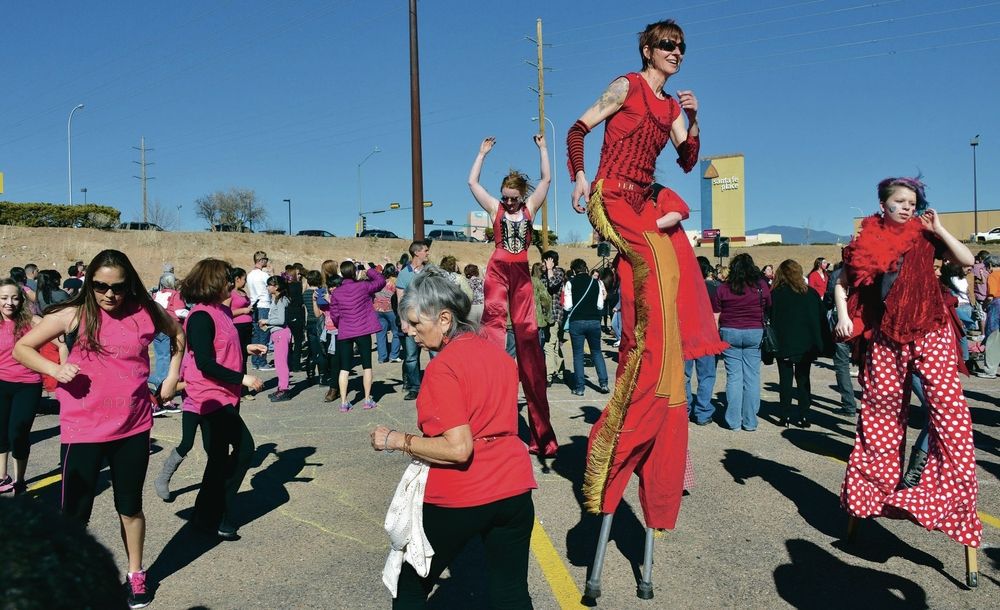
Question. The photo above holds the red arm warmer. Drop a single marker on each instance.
(687, 153)
(574, 148)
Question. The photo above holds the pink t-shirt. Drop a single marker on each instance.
(206, 395)
(11, 370)
(240, 301)
(108, 399)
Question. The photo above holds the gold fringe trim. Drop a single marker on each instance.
(602, 451)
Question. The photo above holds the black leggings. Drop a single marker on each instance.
(18, 402)
(800, 370)
(345, 349)
(189, 426)
(505, 528)
(81, 464)
(225, 470)
(245, 331)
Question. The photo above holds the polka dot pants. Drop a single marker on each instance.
(945, 499)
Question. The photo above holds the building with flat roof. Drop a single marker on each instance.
(723, 195)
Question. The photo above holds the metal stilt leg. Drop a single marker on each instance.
(593, 587)
(971, 567)
(852, 528)
(645, 589)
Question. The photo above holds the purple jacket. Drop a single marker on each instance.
(351, 306)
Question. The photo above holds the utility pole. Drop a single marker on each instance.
(540, 65)
(143, 178)
(416, 155)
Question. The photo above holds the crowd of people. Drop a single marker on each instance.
(907, 323)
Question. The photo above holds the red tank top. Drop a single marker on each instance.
(635, 135)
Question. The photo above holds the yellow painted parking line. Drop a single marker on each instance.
(45, 482)
(563, 587)
(989, 519)
(986, 518)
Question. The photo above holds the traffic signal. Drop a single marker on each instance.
(428, 221)
(722, 247)
(364, 223)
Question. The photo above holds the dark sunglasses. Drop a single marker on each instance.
(669, 46)
(102, 288)
(511, 199)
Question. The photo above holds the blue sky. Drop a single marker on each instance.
(824, 97)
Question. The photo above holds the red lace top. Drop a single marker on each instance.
(636, 134)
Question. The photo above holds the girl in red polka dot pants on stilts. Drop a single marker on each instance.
(890, 304)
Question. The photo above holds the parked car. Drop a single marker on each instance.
(379, 233)
(223, 228)
(447, 235)
(140, 226)
(273, 231)
(986, 236)
(315, 233)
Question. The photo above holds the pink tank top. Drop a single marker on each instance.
(108, 399)
(240, 302)
(206, 395)
(11, 370)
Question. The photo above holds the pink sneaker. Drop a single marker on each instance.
(370, 403)
(6, 484)
(138, 596)
(345, 407)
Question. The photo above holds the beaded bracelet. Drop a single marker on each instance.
(385, 443)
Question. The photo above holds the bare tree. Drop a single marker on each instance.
(237, 207)
(160, 215)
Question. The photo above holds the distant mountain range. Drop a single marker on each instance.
(800, 235)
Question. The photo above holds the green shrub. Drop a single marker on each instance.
(90, 216)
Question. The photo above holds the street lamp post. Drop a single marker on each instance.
(69, 149)
(289, 202)
(975, 187)
(179, 206)
(555, 173)
(360, 198)
(84, 191)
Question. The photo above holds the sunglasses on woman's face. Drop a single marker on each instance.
(102, 288)
(504, 199)
(669, 46)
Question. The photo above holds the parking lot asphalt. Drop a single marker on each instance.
(761, 527)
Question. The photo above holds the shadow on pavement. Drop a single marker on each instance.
(37, 436)
(819, 443)
(820, 509)
(628, 534)
(806, 582)
(268, 493)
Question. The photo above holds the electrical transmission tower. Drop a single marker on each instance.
(143, 177)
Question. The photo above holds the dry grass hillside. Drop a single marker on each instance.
(149, 250)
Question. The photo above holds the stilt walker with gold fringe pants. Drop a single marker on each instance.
(664, 305)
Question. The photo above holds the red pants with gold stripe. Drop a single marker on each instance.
(507, 287)
(945, 498)
(643, 428)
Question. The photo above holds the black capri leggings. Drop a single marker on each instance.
(81, 464)
(18, 403)
(345, 351)
(505, 528)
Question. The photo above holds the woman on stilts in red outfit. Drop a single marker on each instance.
(507, 284)
(664, 303)
(889, 303)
